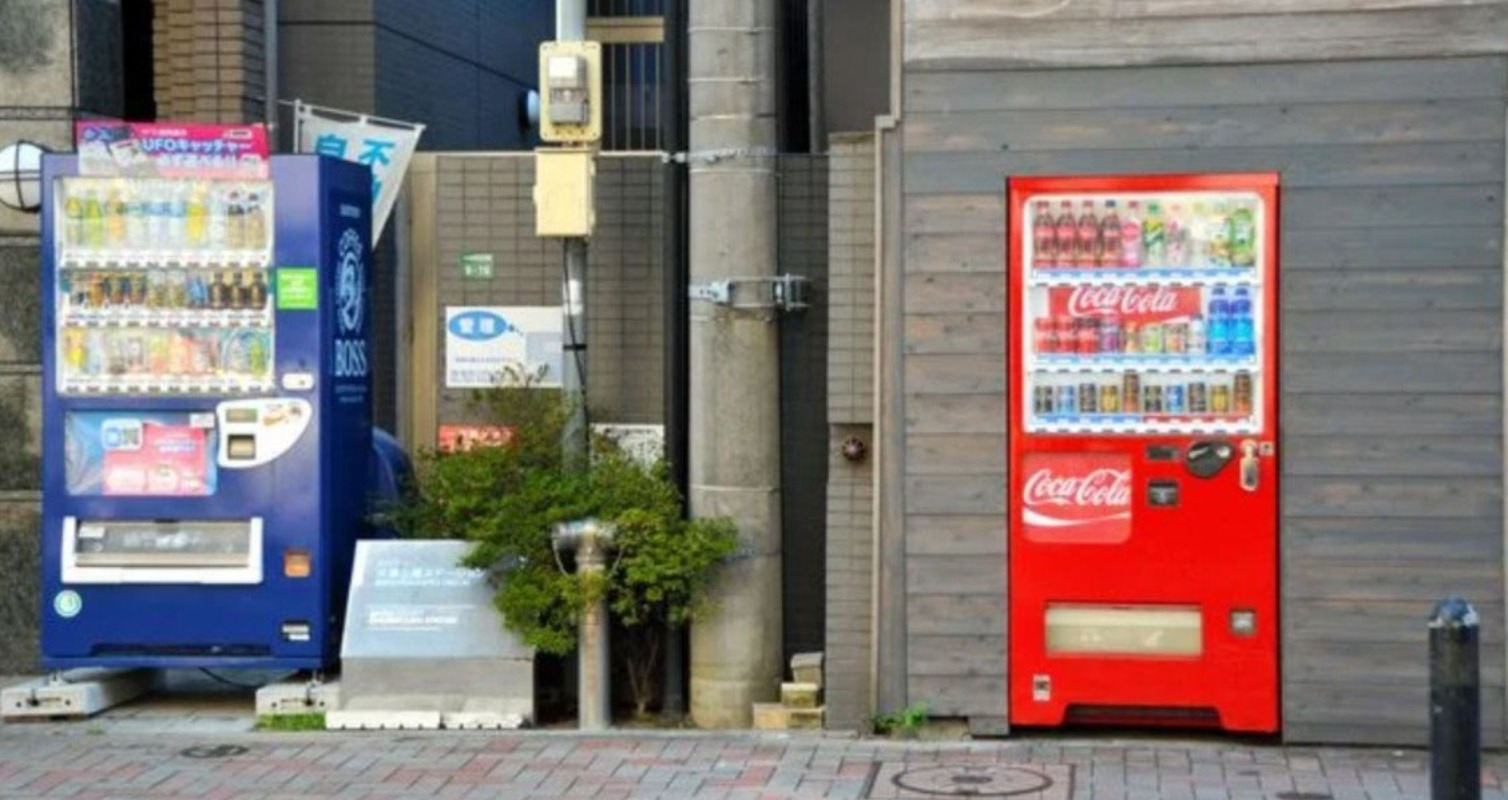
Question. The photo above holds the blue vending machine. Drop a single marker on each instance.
(207, 417)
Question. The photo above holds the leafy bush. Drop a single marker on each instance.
(507, 500)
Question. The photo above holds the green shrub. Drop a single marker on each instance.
(507, 500)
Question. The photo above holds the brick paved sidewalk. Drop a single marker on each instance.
(87, 762)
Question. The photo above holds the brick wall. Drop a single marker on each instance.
(209, 60)
(850, 410)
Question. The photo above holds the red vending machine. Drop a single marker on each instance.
(1143, 448)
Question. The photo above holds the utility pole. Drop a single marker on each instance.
(571, 117)
(735, 368)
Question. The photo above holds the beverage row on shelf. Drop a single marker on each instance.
(1128, 394)
(164, 289)
(1230, 331)
(1218, 234)
(166, 215)
(165, 355)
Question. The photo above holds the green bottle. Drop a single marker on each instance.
(1243, 237)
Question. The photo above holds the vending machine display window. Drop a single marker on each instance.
(1141, 313)
(163, 286)
(134, 454)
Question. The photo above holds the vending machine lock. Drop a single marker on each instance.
(1207, 458)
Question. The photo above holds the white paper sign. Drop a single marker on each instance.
(383, 145)
(489, 346)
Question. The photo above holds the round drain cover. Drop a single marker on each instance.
(984, 780)
(214, 751)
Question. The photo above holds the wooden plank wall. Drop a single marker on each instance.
(951, 34)
(1392, 320)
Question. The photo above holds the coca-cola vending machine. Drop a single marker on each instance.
(1143, 440)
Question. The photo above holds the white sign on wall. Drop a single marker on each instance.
(488, 346)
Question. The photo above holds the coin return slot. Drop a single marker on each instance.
(241, 447)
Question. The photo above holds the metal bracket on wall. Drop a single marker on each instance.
(785, 292)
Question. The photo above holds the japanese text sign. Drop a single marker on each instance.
(166, 150)
(383, 146)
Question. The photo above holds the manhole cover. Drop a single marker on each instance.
(213, 751)
(970, 780)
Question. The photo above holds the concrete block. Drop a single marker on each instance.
(81, 693)
(806, 719)
(800, 695)
(807, 668)
(382, 720)
(771, 717)
(287, 698)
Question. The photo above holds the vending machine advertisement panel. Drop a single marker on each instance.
(207, 417)
(1143, 484)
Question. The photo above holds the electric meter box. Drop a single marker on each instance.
(207, 414)
(570, 77)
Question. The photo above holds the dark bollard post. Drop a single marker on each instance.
(1455, 708)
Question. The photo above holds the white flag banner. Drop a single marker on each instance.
(384, 145)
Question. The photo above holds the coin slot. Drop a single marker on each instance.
(1162, 494)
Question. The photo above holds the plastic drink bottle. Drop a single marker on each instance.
(1220, 236)
(73, 214)
(94, 221)
(1066, 231)
(1154, 237)
(1243, 237)
(1110, 237)
(1178, 238)
(115, 219)
(1087, 245)
(1131, 236)
(1243, 328)
(1219, 326)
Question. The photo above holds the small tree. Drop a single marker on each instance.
(508, 499)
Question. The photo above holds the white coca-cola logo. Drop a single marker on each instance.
(1101, 488)
(1125, 300)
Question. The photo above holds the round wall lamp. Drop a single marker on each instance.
(21, 176)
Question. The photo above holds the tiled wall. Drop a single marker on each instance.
(850, 409)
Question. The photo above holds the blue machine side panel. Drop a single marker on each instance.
(310, 499)
(348, 402)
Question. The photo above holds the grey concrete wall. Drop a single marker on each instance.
(850, 410)
(37, 103)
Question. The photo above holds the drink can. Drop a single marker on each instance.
(1199, 398)
(1175, 338)
(1131, 392)
(1042, 399)
(1151, 400)
(1067, 400)
(1110, 335)
(1110, 399)
(1151, 338)
(1088, 398)
(1241, 397)
(1130, 337)
(1173, 399)
(1066, 331)
(1220, 399)
(1044, 336)
(1088, 336)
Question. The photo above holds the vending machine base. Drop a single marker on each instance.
(76, 694)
